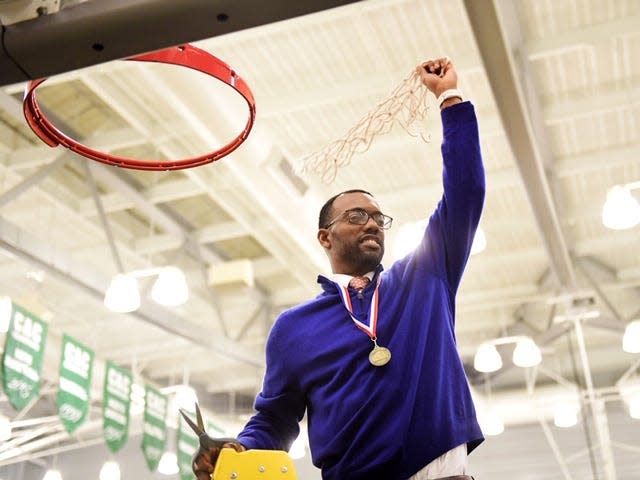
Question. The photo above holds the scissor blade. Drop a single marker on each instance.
(199, 417)
(199, 431)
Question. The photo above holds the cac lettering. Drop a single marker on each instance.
(27, 327)
(118, 380)
(77, 356)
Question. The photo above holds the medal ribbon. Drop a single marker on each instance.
(370, 329)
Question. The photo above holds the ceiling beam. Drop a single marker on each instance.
(496, 33)
(29, 182)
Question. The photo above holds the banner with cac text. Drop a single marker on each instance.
(116, 401)
(74, 387)
(22, 357)
(154, 432)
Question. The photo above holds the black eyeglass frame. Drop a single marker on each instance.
(384, 224)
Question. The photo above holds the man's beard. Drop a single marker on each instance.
(363, 259)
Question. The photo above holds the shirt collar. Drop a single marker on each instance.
(343, 279)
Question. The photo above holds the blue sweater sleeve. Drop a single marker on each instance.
(279, 406)
(452, 226)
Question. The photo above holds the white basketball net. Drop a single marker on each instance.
(405, 106)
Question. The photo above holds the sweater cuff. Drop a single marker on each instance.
(459, 113)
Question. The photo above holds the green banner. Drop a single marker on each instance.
(187, 445)
(154, 437)
(115, 406)
(22, 357)
(74, 388)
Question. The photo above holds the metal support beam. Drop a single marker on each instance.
(597, 408)
(103, 218)
(33, 180)
(242, 331)
(513, 92)
(601, 295)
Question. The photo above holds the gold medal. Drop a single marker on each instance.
(379, 356)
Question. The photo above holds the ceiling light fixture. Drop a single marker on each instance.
(634, 407)
(410, 235)
(168, 464)
(479, 242)
(631, 337)
(52, 474)
(630, 393)
(491, 423)
(408, 238)
(170, 289)
(487, 358)
(122, 295)
(621, 211)
(185, 397)
(565, 415)
(110, 471)
(526, 354)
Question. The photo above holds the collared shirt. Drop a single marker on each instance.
(453, 462)
(344, 279)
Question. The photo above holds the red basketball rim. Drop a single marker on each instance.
(182, 55)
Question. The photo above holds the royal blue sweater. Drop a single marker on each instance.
(388, 422)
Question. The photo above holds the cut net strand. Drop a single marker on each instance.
(406, 106)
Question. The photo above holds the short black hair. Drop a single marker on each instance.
(325, 211)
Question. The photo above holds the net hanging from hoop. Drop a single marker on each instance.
(405, 106)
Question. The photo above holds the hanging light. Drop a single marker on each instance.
(565, 415)
(526, 353)
(110, 471)
(632, 401)
(634, 407)
(491, 423)
(487, 358)
(408, 238)
(479, 242)
(5, 428)
(630, 394)
(631, 337)
(6, 309)
(170, 289)
(122, 295)
(52, 474)
(620, 211)
(168, 464)
(185, 397)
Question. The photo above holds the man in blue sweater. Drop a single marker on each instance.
(373, 362)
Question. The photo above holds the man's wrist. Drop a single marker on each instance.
(449, 97)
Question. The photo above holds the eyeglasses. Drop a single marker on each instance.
(358, 216)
